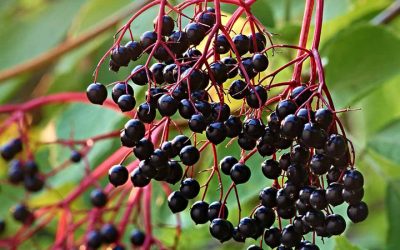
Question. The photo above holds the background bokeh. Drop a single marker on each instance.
(362, 62)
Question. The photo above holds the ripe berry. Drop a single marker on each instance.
(290, 238)
(284, 161)
(231, 64)
(221, 229)
(175, 172)
(147, 39)
(109, 233)
(260, 42)
(271, 169)
(167, 105)
(268, 197)
(119, 89)
(126, 141)
(118, 175)
(138, 179)
(265, 216)
(227, 163)
(203, 107)
(299, 154)
(189, 155)
(305, 193)
(314, 218)
(291, 127)
(305, 115)
(177, 202)
(300, 225)
(199, 212)
(221, 44)
(285, 108)
(162, 173)
(146, 169)
(336, 146)
(301, 94)
(189, 188)
(253, 128)
(237, 236)
(219, 71)
(33, 183)
(126, 102)
(272, 237)
(265, 149)
(96, 93)
(193, 78)
(98, 198)
(286, 212)
(120, 56)
(318, 199)
(179, 142)
(216, 132)
(320, 164)
(146, 113)
(247, 227)
(179, 93)
(139, 75)
(353, 196)
(159, 159)
(274, 123)
(245, 142)
(248, 68)
(22, 214)
(75, 156)
(242, 43)
(353, 180)
(324, 118)
(134, 130)
(134, 49)
(167, 25)
(15, 172)
(144, 148)
(156, 71)
(195, 33)
(94, 239)
(233, 126)
(252, 99)
(137, 237)
(238, 89)
(357, 212)
(335, 224)
(214, 211)
(260, 62)
(333, 194)
(197, 123)
(207, 18)
(186, 109)
(240, 173)
(220, 112)
(178, 42)
(313, 136)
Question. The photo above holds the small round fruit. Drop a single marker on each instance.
(357, 212)
(177, 202)
(189, 188)
(96, 93)
(98, 198)
(240, 173)
(221, 229)
(118, 175)
(199, 212)
(257, 97)
(189, 155)
(137, 237)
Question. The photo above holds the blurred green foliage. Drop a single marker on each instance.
(362, 71)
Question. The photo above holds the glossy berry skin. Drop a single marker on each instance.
(221, 44)
(253, 128)
(175, 172)
(96, 93)
(199, 212)
(335, 224)
(144, 148)
(333, 194)
(120, 56)
(301, 94)
(242, 44)
(177, 202)
(75, 157)
(134, 130)
(189, 155)
(357, 212)
(178, 42)
(271, 169)
(146, 113)
(220, 112)
(167, 25)
(318, 199)
(227, 163)
(248, 68)
(290, 238)
(245, 142)
(21, 213)
(231, 65)
(233, 126)
(353, 180)
(118, 175)
(94, 239)
(156, 72)
(33, 183)
(252, 99)
(186, 109)
(147, 39)
(265, 216)
(221, 229)
(272, 237)
(207, 18)
(291, 127)
(285, 108)
(240, 173)
(353, 196)
(189, 188)
(336, 146)
(146, 169)
(216, 132)
(305, 193)
(137, 237)
(320, 164)
(179, 142)
(126, 103)
(138, 179)
(120, 89)
(109, 233)
(247, 227)
(260, 42)
(195, 33)
(260, 62)
(214, 211)
(238, 89)
(267, 197)
(314, 218)
(167, 105)
(324, 118)
(219, 72)
(197, 123)
(313, 136)
(299, 155)
(15, 172)
(139, 75)
(134, 49)
(98, 198)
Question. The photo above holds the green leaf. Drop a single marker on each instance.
(387, 142)
(393, 204)
(343, 244)
(353, 71)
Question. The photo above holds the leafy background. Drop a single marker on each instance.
(362, 63)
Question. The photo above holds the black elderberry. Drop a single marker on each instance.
(253, 128)
(301, 207)
(353, 196)
(15, 172)
(221, 229)
(189, 155)
(220, 111)
(237, 236)
(221, 44)
(179, 142)
(260, 62)
(207, 18)
(231, 64)
(161, 54)
(290, 238)
(314, 218)
(21, 213)
(318, 199)
(313, 136)
(305, 115)
(199, 212)
(75, 157)
(324, 118)
(96, 93)
(283, 199)
(139, 75)
(134, 130)
(247, 227)
(193, 78)
(203, 107)
(299, 154)
(353, 180)
(146, 169)
(118, 175)
(268, 197)
(178, 42)
(147, 39)
(248, 68)
(98, 198)
(159, 159)
(271, 169)
(199, 95)
(179, 93)
(286, 212)
(233, 126)
(162, 173)
(320, 164)
(134, 49)
(119, 89)
(146, 113)
(265, 149)
(126, 103)
(335, 224)
(272, 237)
(297, 174)
(333, 174)
(33, 183)
(94, 239)
(216, 132)
(242, 44)
(113, 66)
(240, 173)
(257, 97)
(168, 73)
(336, 146)
(321, 231)
(265, 216)
(285, 108)
(238, 89)
(121, 56)
(138, 179)
(167, 105)
(227, 163)
(215, 211)
(333, 194)
(175, 172)
(167, 25)
(195, 33)
(177, 202)
(186, 109)
(109, 233)
(219, 72)
(357, 212)
(274, 123)
(245, 142)
(189, 188)
(300, 225)
(197, 123)
(137, 237)
(308, 246)
(301, 94)
(284, 161)
(143, 149)
(154, 94)
(260, 42)
(291, 127)
(156, 71)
